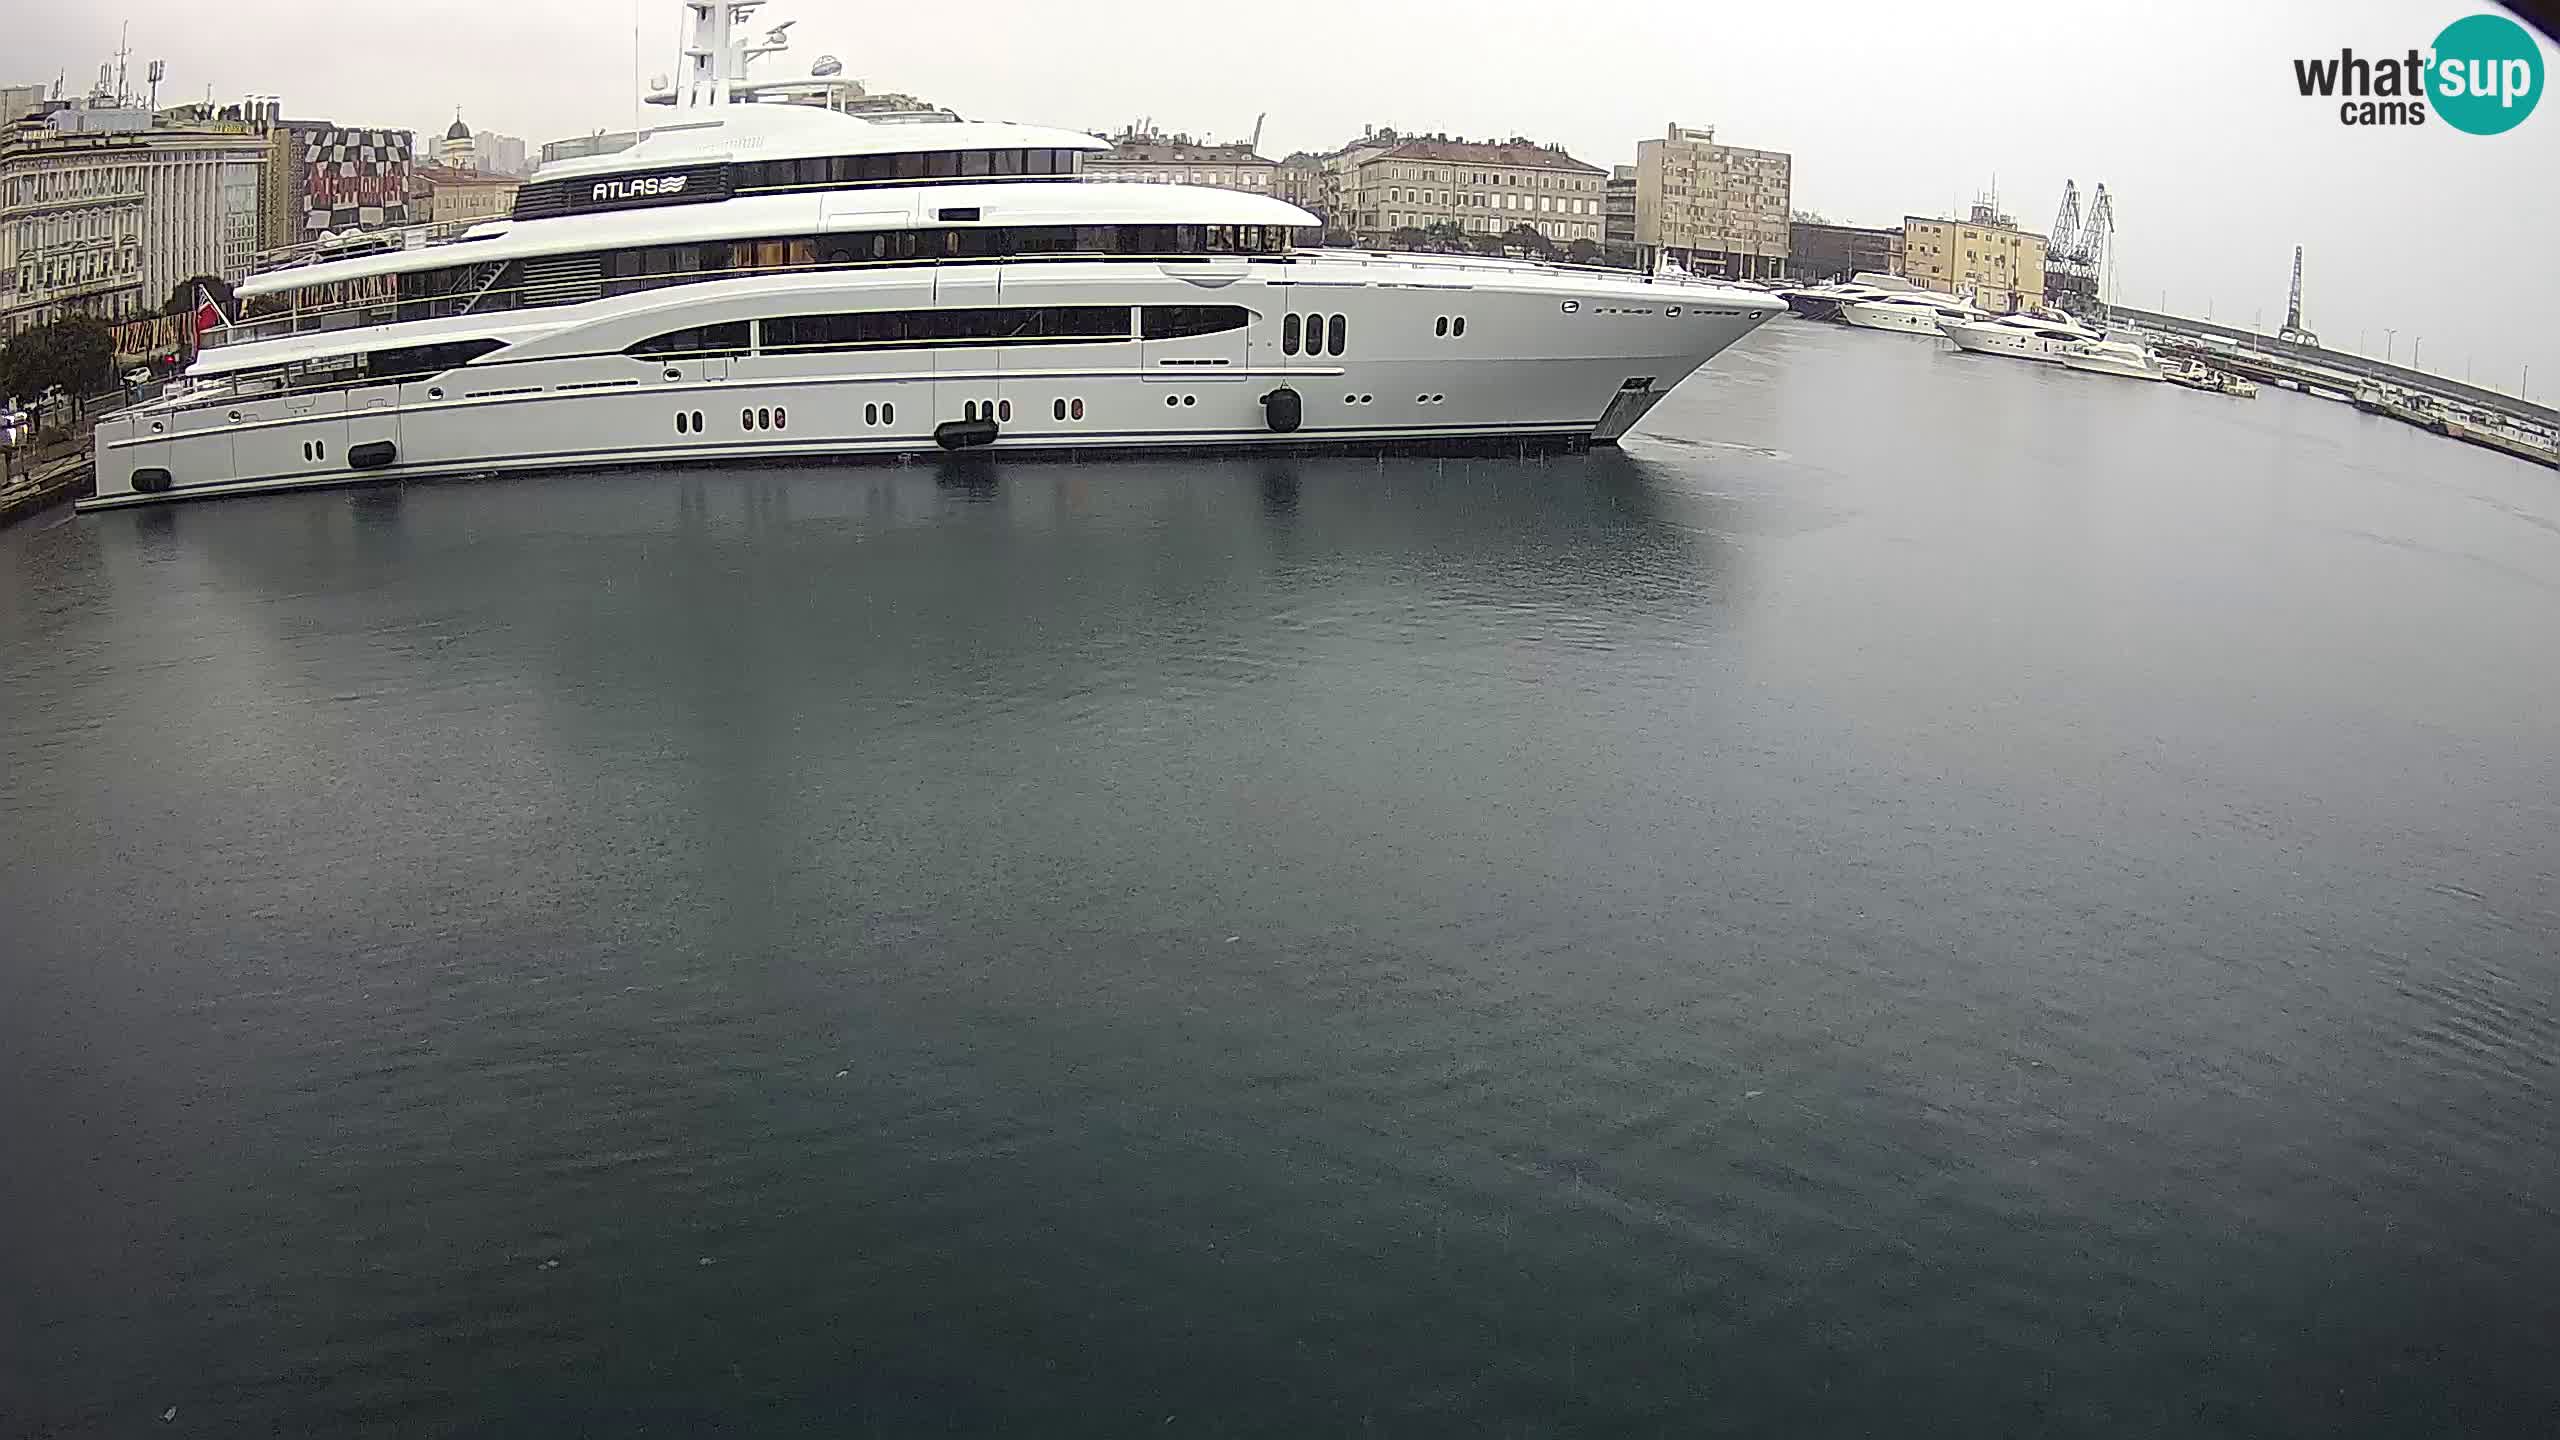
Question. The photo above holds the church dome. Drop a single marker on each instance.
(458, 130)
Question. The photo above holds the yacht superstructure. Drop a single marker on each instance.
(759, 279)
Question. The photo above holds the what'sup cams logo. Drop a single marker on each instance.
(2482, 76)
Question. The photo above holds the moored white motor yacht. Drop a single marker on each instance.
(2112, 357)
(2026, 336)
(1919, 313)
(761, 278)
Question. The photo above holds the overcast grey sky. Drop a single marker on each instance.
(2187, 111)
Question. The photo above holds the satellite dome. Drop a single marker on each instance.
(827, 65)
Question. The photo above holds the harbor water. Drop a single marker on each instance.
(1929, 894)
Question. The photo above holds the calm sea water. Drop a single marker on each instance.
(1928, 895)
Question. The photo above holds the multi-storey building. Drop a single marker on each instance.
(1618, 215)
(1181, 160)
(17, 100)
(501, 154)
(104, 212)
(1338, 193)
(1998, 265)
(322, 177)
(1479, 187)
(444, 195)
(1300, 180)
(1714, 209)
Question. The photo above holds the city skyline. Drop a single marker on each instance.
(2219, 172)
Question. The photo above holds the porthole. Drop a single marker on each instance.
(681, 422)
(746, 419)
(1058, 409)
(1190, 399)
(777, 417)
(1289, 335)
(871, 414)
(1458, 326)
(764, 419)
(1172, 400)
(697, 422)
(1440, 326)
(1334, 331)
(435, 392)
(1075, 408)
(889, 413)
(969, 410)
(1367, 399)
(672, 374)
(1004, 410)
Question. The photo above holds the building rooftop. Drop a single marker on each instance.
(434, 174)
(1178, 152)
(1519, 154)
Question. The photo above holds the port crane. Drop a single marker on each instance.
(2293, 330)
(2075, 259)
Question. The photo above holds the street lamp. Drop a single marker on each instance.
(2390, 337)
(2414, 342)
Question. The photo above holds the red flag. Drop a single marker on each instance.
(208, 314)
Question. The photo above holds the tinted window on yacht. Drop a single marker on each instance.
(729, 337)
(842, 170)
(1173, 322)
(992, 325)
(427, 359)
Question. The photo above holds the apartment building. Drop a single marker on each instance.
(1998, 265)
(1714, 209)
(451, 195)
(1618, 215)
(1300, 180)
(1181, 160)
(1481, 188)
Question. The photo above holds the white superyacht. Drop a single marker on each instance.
(758, 279)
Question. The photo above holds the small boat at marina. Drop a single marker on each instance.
(2196, 375)
(2112, 357)
(2506, 439)
(2407, 406)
